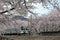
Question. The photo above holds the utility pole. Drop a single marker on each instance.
(30, 24)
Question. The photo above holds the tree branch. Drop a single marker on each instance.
(28, 9)
(7, 11)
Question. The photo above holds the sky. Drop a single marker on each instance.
(41, 10)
